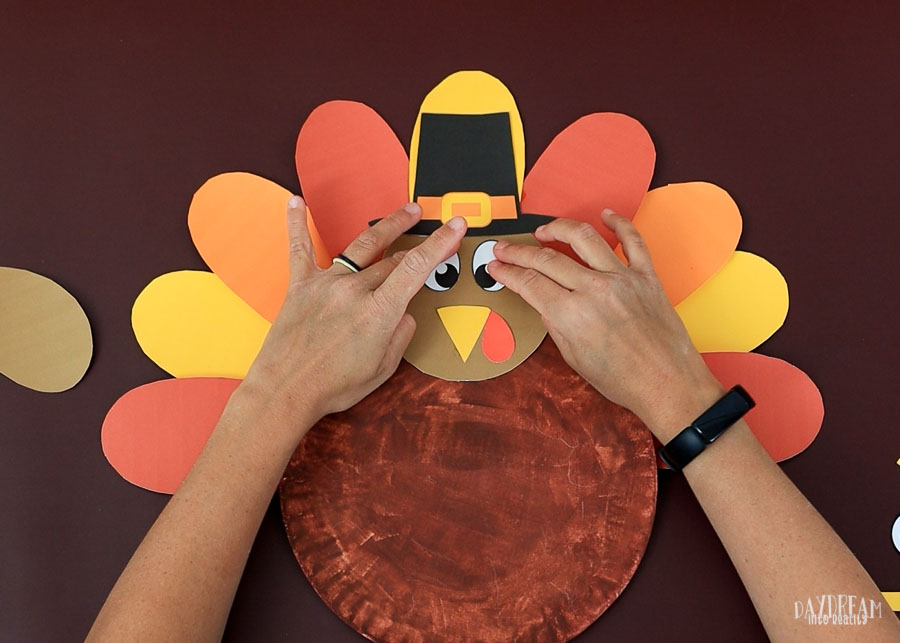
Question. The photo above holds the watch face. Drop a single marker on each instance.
(723, 414)
(683, 448)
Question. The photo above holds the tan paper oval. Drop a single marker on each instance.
(45, 337)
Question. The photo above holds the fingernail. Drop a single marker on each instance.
(539, 229)
(500, 245)
(607, 212)
(412, 208)
(457, 223)
(295, 202)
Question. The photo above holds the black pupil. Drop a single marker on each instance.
(483, 279)
(446, 275)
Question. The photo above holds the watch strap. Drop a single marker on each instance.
(703, 431)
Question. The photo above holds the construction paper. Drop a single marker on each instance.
(152, 434)
(467, 159)
(789, 410)
(453, 339)
(471, 93)
(237, 221)
(465, 153)
(738, 308)
(600, 161)
(893, 600)
(497, 342)
(352, 170)
(45, 337)
(192, 325)
(464, 325)
(691, 231)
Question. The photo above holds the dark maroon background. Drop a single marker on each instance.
(110, 119)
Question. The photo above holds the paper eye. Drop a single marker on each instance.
(484, 254)
(445, 275)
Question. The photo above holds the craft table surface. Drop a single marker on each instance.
(111, 118)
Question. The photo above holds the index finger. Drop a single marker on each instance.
(585, 241)
(411, 273)
(301, 257)
(632, 242)
(539, 291)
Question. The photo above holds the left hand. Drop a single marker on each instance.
(612, 322)
(340, 335)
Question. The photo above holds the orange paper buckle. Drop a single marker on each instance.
(475, 207)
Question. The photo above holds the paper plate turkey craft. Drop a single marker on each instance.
(485, 492)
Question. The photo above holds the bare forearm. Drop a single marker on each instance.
(180, 583)
(782, 548)
(615, 325)
(317, 359)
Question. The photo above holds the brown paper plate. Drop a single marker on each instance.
(511, 509)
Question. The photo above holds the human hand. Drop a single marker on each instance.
(612, 322)
(340, 335)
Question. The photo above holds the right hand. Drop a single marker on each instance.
(612, 322)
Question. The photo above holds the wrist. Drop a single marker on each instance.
(276, 410)
(678, 404)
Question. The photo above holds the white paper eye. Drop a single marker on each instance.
(444, 277)
(484, 254)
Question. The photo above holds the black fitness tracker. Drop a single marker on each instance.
(688, 444)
